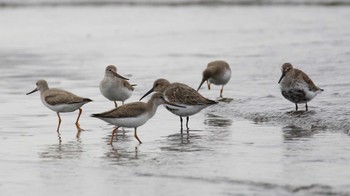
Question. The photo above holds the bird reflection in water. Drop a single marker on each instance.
(69, 150)
(295, 133)
(60, 137)
(217, 121)
(301, 113)
(122, 155)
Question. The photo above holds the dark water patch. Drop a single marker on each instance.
(225, 100)
(306, 120)
(217, 121)
(318, 189)
(293, 132)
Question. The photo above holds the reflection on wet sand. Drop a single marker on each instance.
(184, 138)
(300, 113)
(121, 155)
(69, 150)
(217, 131)
(292, 132)
(77, 135)
(218, 128)
(183, 142)
(217, 121)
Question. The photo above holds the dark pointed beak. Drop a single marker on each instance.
(33, 91)
(149, 92)
(119, 76)
(283, 74)
(203, 80)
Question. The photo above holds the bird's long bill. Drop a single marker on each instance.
(201, 84)
(282, 76)
(33, 91)
(149, 92)
(119, 76)
(173, 104)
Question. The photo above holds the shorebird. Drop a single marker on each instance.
(296, 86)
(134, 114)
(60, 100)
(182, 95)
(114, 86)
(218, 73)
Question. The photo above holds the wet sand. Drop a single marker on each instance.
(253, 144)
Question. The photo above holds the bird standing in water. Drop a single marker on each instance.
(183, 95)
(218, 73)
(134, 114)
(114, 86)
(60, 100)
(296, 86)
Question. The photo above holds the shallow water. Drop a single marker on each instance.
(250, 143)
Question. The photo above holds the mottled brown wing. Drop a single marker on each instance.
(125, 111)
(183, 94)
(307, 79)
(59, 96)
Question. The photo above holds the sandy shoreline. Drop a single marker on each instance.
(250, 145)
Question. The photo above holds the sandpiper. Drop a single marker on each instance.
(296, 86)
(114, 86)
(134, 114)
(217, 72)
(182, 95)
(60, 100)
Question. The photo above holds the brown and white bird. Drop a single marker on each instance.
(59, 100)
(183, 95)
(218, 73)
(134, 114)
(114, 86)
(296, 86)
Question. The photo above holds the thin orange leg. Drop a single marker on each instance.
(58, 127)
(135, 134)
(208, 84)
(222, 89)
(113, 133)
(59, 122)
(77, 123)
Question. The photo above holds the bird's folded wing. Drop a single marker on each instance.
(56, 97)
(132, 110)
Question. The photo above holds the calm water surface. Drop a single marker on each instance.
(252, 143)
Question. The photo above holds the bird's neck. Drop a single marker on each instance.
(152, 107)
